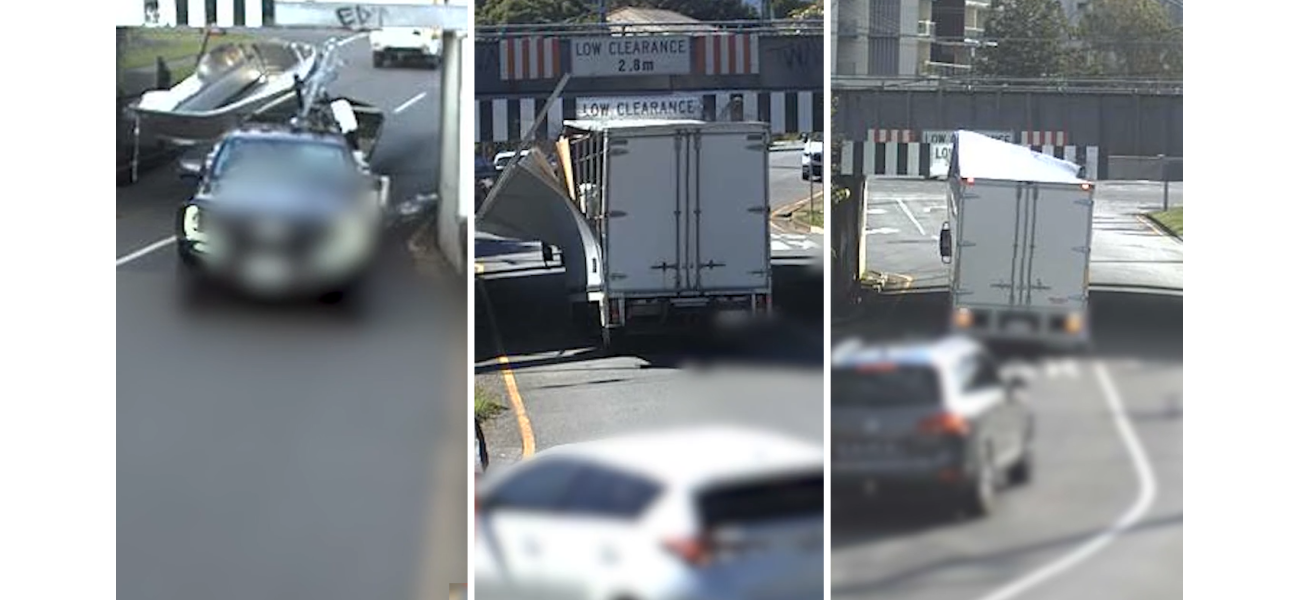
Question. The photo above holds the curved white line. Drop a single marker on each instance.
(146, 250)
(1147, 489)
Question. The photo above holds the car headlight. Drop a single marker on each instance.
(346, 241)
(192, 224)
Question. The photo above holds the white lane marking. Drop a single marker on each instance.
(876, 211)
(911, 216)
(352, 38)
(1146, 497)
(405, 105)
(880, 231)
(146, 250)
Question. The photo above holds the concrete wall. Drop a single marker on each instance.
(1117, 123)
(1145, 168)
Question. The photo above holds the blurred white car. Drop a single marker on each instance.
(713, 513)
(391, 45)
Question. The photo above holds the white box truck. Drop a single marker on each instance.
(680, 208)
(1018, 238)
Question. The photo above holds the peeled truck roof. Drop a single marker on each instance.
(982, 157)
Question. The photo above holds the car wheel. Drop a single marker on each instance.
(1022, 472)
(980, 495)
(190, 285)
(377, 60)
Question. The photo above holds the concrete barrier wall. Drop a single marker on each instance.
(1116, 123)
(1145, 168)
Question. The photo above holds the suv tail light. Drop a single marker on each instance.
(944, 423)
(695, 551)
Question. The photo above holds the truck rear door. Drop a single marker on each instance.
(1054, 273)
(985, 242)
(1023, 245)
(645, 207)
(728, 236)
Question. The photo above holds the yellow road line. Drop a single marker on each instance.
(1147, 221)
(517, 402)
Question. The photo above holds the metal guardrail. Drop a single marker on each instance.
(783, 27)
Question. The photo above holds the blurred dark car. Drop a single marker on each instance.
(927, 419)
(281, 213)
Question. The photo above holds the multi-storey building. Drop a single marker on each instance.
(905, 38)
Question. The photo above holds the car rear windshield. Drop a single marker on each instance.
(875, 386)
(759, 501)
(281, 159)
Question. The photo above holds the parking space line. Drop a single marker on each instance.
(1147, 489)
(146, 250)
(405, 105)
(909, 214)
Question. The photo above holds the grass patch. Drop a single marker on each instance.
(141, 47)
(486, 405)
(1172, 219)
(813, 219)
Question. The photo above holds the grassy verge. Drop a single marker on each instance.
(178, 46)
(486, 405)
(814, 219)
(1171, 219)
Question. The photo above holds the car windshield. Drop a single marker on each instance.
(891, 385)
(266, 159)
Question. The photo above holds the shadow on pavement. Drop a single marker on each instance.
(1125, 325)
(1007, 555)
(533, 321)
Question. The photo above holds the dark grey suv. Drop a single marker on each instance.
(926, 419)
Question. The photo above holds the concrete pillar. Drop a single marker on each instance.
(453, 211)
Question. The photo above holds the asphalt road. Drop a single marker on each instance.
(268, 453)
(904, 217)
(571, 391)
(1087, 479)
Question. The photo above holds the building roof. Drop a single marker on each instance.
(648, 20)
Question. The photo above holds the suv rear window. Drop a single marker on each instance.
(752, 502)
(873, 386)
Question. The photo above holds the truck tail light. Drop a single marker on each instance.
(1074, 323)
(962, 318)
(694, 551)
(944, 424)
(969, 181)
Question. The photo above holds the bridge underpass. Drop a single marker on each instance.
(888, 135)
(752, 71)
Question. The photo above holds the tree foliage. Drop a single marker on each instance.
(785, 9)
(814, 10)
(1132, 39)
(1030, 38)
(532, 12)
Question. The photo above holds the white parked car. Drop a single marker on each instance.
(811, 162)
(397, 45)
(706, 512)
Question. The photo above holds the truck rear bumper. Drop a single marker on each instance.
(677, 314)
(1054, 328)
